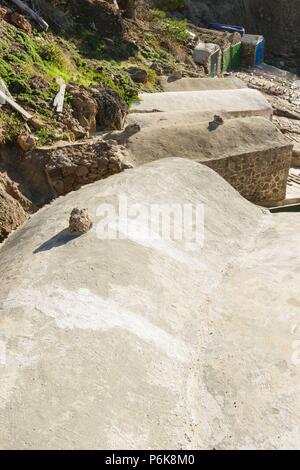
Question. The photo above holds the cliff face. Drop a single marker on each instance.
(277, 20)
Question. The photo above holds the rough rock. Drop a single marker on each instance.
(36, 123)
(138, 74)
(84, 108)
(129, 7)
(112, 108)
(2, 135)
(3, 12)
(14, 206)
(158, 68)
(80, 221)
(70, 124)
(21, 22)
(26, 142)
(218, 119)
(103, 15)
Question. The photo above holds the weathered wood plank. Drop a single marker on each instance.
(5, 90)
(60, 98)
(15, 106)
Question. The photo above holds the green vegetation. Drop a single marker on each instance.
(30, 64)
(171, 5)
(12, 125)
(172, 26)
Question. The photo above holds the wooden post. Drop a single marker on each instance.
(60, 97)
(35, 16)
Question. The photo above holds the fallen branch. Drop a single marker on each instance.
(35, 16)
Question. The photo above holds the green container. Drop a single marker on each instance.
(236, 55)
(226, 59)
(214, 63)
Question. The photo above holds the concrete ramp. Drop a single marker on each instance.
(239, 102)
(172, 118)
(201, 84)
(151, 344)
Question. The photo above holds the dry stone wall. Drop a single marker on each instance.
(72, 166)
(260, 177)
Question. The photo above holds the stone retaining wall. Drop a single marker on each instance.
(70, 167)
(260, 177)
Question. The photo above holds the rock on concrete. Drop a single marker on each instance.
(80, 221)
(194, 348)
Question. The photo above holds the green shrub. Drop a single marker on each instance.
(170, 5)
(172, 26)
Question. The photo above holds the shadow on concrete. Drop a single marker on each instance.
(212, 126)
(61, 238)
(172, 79)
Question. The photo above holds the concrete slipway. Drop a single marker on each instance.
(238, 102)
(202, 84)
(159, 344)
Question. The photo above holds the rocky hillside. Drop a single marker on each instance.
(277, 20)
(104, 58)
(104, 52)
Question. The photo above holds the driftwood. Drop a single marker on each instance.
(4, 90)
(60, 97)
(35, 16)
(15, 106)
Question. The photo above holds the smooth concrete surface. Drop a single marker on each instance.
(152, 344)
(200, 84)
(203, 141)
(239, 102)
(171, 118)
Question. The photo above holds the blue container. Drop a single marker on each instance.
(253, 50)
(260, 52)
(227, 28)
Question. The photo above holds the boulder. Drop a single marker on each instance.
(102, 15)
(21, 22)
(84, 108)
(138, 74)
(71, 125)
(36, 123)
(112, 109)
(3, 12)
(26, 142)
